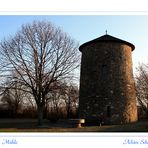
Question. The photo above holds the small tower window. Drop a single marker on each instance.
(104, 71)
(108, 111)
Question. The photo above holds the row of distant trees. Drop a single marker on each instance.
(37, 65)
(62, 102)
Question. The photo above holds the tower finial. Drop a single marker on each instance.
(106, 32)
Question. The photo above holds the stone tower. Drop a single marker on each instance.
(107, 90)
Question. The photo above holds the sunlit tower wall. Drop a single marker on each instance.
(107, 88)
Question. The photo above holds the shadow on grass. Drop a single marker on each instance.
(30, 125)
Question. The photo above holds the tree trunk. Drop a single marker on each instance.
(40, 114)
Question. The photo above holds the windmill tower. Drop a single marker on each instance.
(107, 90)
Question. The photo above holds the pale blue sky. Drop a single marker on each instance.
(84, 28)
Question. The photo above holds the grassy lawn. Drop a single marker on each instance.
(30, 125)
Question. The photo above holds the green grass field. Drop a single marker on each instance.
(30, 125)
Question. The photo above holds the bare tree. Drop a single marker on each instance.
(13, 96)
(53, 100)
(70, 98)
(142, 87)
(64, 95)
(41, 54)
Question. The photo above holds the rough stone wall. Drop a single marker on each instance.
(107, 89)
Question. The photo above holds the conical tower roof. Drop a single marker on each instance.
(107, 38)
